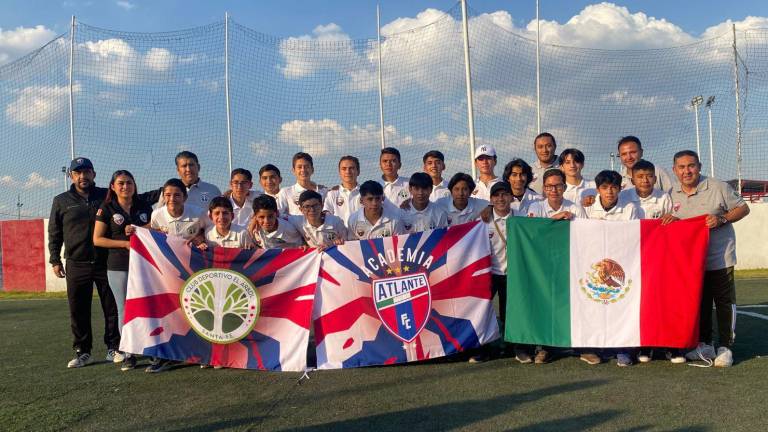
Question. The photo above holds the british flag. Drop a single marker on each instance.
(404, 298)
(276, 327)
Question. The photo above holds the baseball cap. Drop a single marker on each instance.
(485, 150)
(501, 186)
(80, 163)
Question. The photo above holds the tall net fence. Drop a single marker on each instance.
(139, 98)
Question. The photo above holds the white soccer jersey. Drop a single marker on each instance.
(542, 209)
(664, 181)
(242, 215)
(471, 211)
(199, 194)
(497, 232)
(433, 216)
(389, 224)
(622, 211)
(342, 202)
(397, 191)
(237, 237)
(575, 193)
(520, 207)
(439, 191)
(331, 229)
(288, 198)
(192, 221)
(285, 236)
(655, 205)
(483, 191)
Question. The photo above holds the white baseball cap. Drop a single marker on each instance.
(485, 150)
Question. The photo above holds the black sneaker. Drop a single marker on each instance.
(159, 366)
(128, 363)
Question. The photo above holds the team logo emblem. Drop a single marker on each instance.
(606, 283)
(403, 194)
(143, 218)
(204, 197)
(331, 236)
(340, 201)
(408, 226)
(222, 306)
(118, 218)
(191, 230)
(450, 221)
(403, 304)
(475, 192)
(675, 207)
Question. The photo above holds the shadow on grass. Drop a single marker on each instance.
(465, 413)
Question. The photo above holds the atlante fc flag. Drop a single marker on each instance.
(404, 298)
(591, 283)
(230, 307)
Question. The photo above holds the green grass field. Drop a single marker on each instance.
(39, 393)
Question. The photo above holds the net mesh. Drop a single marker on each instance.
(139, 98)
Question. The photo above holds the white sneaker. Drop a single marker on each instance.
(115, 356)
(724, 357)
(645, 356)
(702, 352)
(80, 360)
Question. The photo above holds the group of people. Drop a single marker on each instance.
(95, 224)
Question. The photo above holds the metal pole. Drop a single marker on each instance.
(738, 109)
(18, 206)
(711, 140)
(71, 88)
(538, 72)
(468, 75)
(698, 138)
(613, 156)
(226, 89)
(381, 85)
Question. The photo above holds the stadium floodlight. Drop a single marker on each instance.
(710, 102)
(695, 102)
(613, 157)
(66, 178)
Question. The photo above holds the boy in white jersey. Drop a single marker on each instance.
(320, 230)
(571, 162)
(270, 179)
(176, 218)
(652, 203)
(303, 168)
(422, 214)
(485, 162)
(555, 206)
(395, 187)
(222, 232)
(241, 196)
(269, 230)
(374, 219)
(607, 205)
(344, 199)
(519, 176)
(460, 206)
(434, 165)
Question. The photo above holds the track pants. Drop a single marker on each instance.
(720, 288)
(81, 278)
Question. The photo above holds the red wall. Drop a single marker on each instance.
(23, 255)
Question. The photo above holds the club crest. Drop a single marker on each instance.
(403, 304)
(606, 282)
(118, 218)
(204, 197)
(340, 201)
(143, 218)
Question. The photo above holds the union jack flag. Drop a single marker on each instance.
(275, 322)
(404, 298)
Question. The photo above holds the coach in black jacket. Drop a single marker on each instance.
(71, 224)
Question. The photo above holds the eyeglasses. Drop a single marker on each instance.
(308, 207)
(553, 187)
(240, 184)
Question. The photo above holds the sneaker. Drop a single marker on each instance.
(115, 356)
(590, 358)
(542, 357)
(217, 367)
(523, 357)
(205, 366)
(159, 366)
(477, 359)
(129, 362)
(81, 359)
(623, 360)
(702, 352)
(676, 356)
(724, 357)
(645, 356)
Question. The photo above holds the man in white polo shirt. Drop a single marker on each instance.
(460, 206)
(176, 218)
(320, 230)
(554, 206)
(607, 205)
(630, 151)
(434, 165)
(421, 213)
(485, 162)
(199, 193)
(652, 203)
(395, 187)
(374, 219)
(544, 145)
(303, 168)
(344, 199)
(242, 196)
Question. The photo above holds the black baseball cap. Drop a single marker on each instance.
(80, 163)
(501, 186)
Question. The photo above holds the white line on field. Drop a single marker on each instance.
(753, 306)
(753, 315)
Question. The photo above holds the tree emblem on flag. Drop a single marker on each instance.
(606, 282)
(221, 306)
(403, 304)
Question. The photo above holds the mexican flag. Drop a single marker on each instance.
(591, 283)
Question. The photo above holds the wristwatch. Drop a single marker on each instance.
(722, 220)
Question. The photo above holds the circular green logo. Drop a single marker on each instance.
(222, 306)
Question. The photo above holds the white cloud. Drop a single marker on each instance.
(625, 98)
(125, 4)
(21, 40)
(38, 106)
(497, 102)
(300, 63)
(159, 59)
(122, 113)
(116, 62)
(748, 23)
(34, 180)
(324, 136)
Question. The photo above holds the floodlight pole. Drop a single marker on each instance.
(468, 76)
(226, 89)
(538, 72)
(381, 86)
(71, 89)
(710, 102)
(695, 102)
(738, 110)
